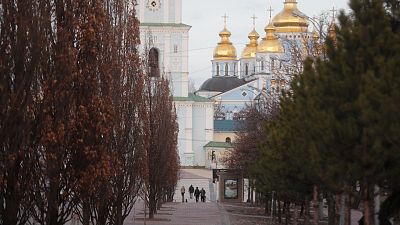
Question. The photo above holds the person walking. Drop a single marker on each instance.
(203, 195)
(197, 194)
(191, 190)
(183, 193)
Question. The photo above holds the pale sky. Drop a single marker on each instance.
(205, 17)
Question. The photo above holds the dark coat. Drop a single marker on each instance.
(197, 192)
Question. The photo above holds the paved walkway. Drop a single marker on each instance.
(190, 212)
(200, 178)
(208, 213)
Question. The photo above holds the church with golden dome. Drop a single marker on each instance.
(209, 118)
(261, 66)
(262, 70)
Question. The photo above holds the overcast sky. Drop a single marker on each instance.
(205, 17)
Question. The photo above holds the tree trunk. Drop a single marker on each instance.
(342, 209)
(85, 211)
(337, 208)
(307, 214)
(53, 201)
(377, 204)
(118, 214)
(295, 215)
(321, 207)
(102, 212)
(279, 211)
(366, 200)
(331, 209)
(287, 211)
(249, 192)
(315, 205)
(348, 210)
(11, 209)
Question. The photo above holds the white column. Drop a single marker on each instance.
(178, 11)
(189, 129)
(166, 11)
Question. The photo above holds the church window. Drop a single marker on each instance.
(154, 63)
(228, 140)
(217, 69)
(175, 48)
(262, 65)
(226, 69)
(246, 68)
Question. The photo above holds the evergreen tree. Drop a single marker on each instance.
(340, 122)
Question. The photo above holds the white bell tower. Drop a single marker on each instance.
(161, 22)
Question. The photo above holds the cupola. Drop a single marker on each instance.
(251, 49)
(270, 42)
(225, 50)
(289, 20)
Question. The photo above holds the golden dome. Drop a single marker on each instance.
(251, 49)
(225, 50)
(286, 22)
(270, 42)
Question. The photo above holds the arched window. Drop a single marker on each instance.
(228, 140)
(226, 69)
(262, 65)
(246, 69)
(154, 63)
(217, 69)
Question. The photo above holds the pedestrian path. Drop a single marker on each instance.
(198, 178)
(185, 214)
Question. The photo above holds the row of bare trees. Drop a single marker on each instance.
(82, 126)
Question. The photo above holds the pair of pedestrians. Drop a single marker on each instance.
(197, 193)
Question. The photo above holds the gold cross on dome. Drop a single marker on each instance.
(270, 10)
(333, 10)
(254, 20)
(225, 18)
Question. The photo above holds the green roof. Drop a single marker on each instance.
(215, 144)
(192, 98)
(165, 25)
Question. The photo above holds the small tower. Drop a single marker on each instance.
(248, 58)
(332, 26)
(269, 50)
(225, 63)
